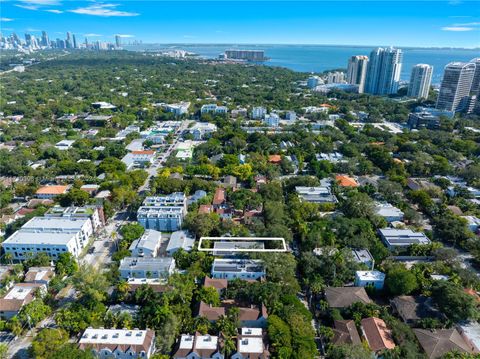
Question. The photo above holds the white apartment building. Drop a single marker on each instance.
(237, 268)
(213, 108)
(258, 112)
(198, 347)
(271, 120)
(201, 130)
(144, 267)
(177, 109)
(250, 344)
(420, 81)
(118, 343)
(51, 235)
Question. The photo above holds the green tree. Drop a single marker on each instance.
(279, 336)
(400, 280)
(348, 351)
(66, 264)
(91, 284)
(454, 302)
(34, 312)
(47, 342)
(209, 295)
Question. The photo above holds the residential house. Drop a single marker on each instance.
(412, 309)
(219, 198)
(389, 212)
(148, 245)
(16, 297)
(219, 284)
(342, 297)
(180, 240)
(251, 344)
(378, 335)
(370, 278)
(39, 275)
(231, 268)
(363, 256)
(470, 331)
(202, 130)
(322, 194)
(144, 267)
(230, 182)
(401, 238)
(438, 342)
(51, 191)
(118, 343)
(345, 332)
(346, 181)
(64, 145)
(198, 347)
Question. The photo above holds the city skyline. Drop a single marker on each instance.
(441, 24)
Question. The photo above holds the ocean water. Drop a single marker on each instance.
(319, 58)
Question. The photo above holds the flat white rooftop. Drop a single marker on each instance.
(113, 336)
(20, 292)
(186, 341)
(40, 238)
(370, 275)
(252, 331)
(250, 345)
(244, 247)
(63, 224)
(206, 342)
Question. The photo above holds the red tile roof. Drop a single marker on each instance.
(378, 335)
(346, 181)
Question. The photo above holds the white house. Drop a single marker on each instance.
(389, 212)
(144, 156)
(250, 344)
(147, 245)
(144, 267)
(401, 238)
(369, 278)
(64, 145)
(237, 268)
(118, 343)
(198, 347)
(180, 240)
(258, 112)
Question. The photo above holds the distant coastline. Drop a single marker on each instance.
(319, 58)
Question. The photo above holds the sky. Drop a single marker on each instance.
(454, 23)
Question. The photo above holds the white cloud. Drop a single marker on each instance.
(103, 10)
(41, 2)
(457, 28)
(468, 24)
(36, 4)
(124, 35)
(55, 11)
(5, 19)
(28, 7)
(92, 35)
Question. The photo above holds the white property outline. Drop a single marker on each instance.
(245, 250)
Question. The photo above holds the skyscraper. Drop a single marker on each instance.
(75, 45)
(476, 77)
(383, 72)
(68, 41)
(357, 71)
(45, 41)
(118, 41)
(420, 81)
(456, 85)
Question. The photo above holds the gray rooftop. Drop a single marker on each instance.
(238, 265)
(54, 224)
(159, 264)
(402, 237)
(180, 239)
(47, 238)
(148, 240)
